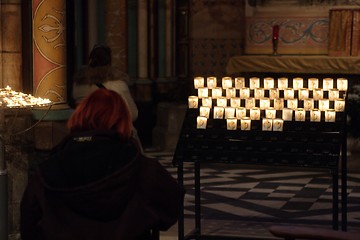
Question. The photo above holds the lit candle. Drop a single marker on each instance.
(264, 103)
(315, 115)
(221, 101)
(303, 93)
(255, 113)
(278, 124)
(298, 83)
(204, 112)
(239, 82)
(259, 93)
(333, 94)
(216, 92)
(245, 123)
(201, 122)
(268, 82)
(211, 82)
(270, 113)
(318, 94)
(300, 114)
(240, 112)
(323, 104)
(193, 101)
(230, 92)
(292, 103)
(231, 123)
(278, 103)
(287, 114)
(226, 82)
(229, 112)
(249, 103)
(339, 105)
(308, 104)
(274, 93)
(282, 83)
(218, 112)
(289, 93)
(266, 124)
(235, 102)
(330, 115)
(254, 82)
(342, 84)
(313, 83)
(198, 82)
(244, 93)
(328, 83)
(206, 102)
(203, 92)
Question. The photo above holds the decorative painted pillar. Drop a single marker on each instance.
(49, 50)
(143, 39)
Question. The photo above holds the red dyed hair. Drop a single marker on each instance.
(102, 110)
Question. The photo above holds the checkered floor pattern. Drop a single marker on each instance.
(245, 194)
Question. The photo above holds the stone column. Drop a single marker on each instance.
(49, 50)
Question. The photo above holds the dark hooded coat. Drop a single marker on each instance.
(96, 187)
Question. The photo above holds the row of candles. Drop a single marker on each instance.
(13, 99)
(245, 108)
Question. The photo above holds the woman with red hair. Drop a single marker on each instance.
(97, 184)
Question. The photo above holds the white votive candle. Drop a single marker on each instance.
(240, 112)
(313, 83)
(278, 124)
(199, 82)
(226, 82)
(298, 83)
(221, 101)
(269, 83)
(308, 104)
(201, 122)
(206, 102)
(342, 84)
(333, 94)
(255, 113)
(300, 114)
(274, 93)
(239, 82)
(267, 124)
(328, 83)
(235, 102)
(318, 94)
(303, 93)
(259, 93)
(204, 112)
(270, 113)
(193, 101)
(230, 92)
(249, 103)
(330, 115)
(203, 92)
(287, 114)
(315, 115)
(216, 92)
(278, 103)
(289, 93)
(245, 124)
(231, 123)
(324, 104)
(282, 83)
(229, 112)
(292, 103)
(244, 93)
(211, 82)
(339, 105)
(264, 103)
(254, 82)
(218, 112)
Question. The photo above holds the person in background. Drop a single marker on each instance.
(101, 74)
(97, 184)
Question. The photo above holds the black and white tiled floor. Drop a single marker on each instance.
(244, 200)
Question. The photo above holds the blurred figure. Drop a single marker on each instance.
(96, 184)
(101, 74)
